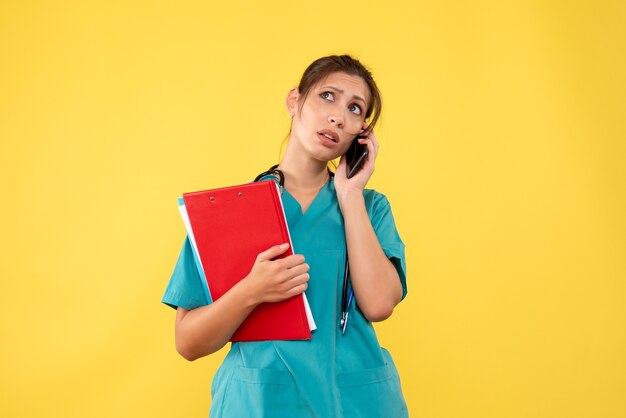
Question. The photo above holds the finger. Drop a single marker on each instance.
(292, 261)
(303, 278)
(372, 136)
(286, 279)
(297, 280)
(371, 148)
(289, 283)
(374, 141)
(296, 290)
(273, 252)
(299, 269)
(371, 140)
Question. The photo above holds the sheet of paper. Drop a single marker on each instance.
(183, 213)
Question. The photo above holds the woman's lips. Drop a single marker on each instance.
(326, 141)
(328, 137)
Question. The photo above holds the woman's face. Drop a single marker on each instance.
(331, 116)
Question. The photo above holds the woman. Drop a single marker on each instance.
(333, 374)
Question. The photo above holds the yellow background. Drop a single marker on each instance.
(502, 151)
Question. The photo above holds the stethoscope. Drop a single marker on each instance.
(347, 294)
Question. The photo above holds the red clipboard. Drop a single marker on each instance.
(230, 227)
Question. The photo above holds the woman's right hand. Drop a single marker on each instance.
(275, 280)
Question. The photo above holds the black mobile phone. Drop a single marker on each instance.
(355, 156)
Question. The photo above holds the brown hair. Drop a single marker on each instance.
(323, 67)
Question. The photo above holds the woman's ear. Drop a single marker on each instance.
(291, 102)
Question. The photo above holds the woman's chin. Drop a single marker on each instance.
(319, 152)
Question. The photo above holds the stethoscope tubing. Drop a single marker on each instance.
(347, 294)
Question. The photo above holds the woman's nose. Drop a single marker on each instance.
(335, 118)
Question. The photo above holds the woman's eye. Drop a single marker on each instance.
(355, 108)
(327, 95)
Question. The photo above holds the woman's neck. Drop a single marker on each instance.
(303, 172)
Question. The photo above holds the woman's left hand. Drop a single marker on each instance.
(345, 186)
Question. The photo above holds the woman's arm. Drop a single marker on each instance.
(206, 329)
(375, 280)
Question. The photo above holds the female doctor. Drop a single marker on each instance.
(330, 217)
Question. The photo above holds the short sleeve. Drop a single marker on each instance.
(186, 288)
(380, 214)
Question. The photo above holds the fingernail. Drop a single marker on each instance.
(283, 246)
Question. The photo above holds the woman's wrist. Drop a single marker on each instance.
(350, 199)
(247, 294)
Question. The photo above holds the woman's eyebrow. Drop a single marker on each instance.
(341, 91)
